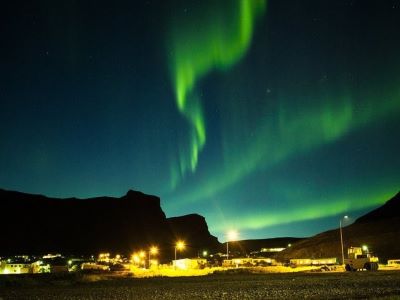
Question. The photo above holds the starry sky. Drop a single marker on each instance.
(274, 118)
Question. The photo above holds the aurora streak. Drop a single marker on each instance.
(214, 39)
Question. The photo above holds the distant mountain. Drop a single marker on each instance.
(39, 224)
(378, 229)
(248, 246)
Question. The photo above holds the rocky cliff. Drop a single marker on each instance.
(193, 228)
(39, 224)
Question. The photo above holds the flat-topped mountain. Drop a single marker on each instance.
(37, 224)
(190, 228)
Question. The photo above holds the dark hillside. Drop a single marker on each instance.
(38, 224)
(379, 230)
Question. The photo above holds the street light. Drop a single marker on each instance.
(153, 250)
(341, 236)
(142, 255)
(180, 245)
(232, 235)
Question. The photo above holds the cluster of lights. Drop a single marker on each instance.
(139, 258)
(104, 257)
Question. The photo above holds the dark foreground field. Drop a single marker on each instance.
(234, 286)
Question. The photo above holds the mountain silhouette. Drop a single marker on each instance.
(35, 224)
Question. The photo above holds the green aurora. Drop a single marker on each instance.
(197, 48)
(292, 133)
(279, 131)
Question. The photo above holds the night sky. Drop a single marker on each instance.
(274, 118)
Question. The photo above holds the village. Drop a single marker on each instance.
(147, 263)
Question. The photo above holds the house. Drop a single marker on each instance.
(248, 262)
(9, 267)
(189, 263)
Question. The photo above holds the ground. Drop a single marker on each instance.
(324, 285)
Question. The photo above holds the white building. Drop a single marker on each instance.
(189, 263)
(14, 268)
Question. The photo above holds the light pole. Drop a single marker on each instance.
(232, 235)
(180, 245)
(341, 236)
(153, 250)
(142, 255)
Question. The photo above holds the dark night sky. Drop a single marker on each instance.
(274, 118)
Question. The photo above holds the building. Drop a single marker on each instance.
(313, 262)
(14, 268)
(248, 262)
(393, 262)
(20, 264)
(189, 263)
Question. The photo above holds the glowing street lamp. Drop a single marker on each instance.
(135, 258)
(142, 256)
(153, 251)
(341, 236)
(180, 245)
(232, 235)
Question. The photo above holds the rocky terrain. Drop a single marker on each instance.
(360, 285)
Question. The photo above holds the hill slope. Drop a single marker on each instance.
(379, 229)
(245, 247)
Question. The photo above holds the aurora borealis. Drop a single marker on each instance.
(271, 117)
(198, 47)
